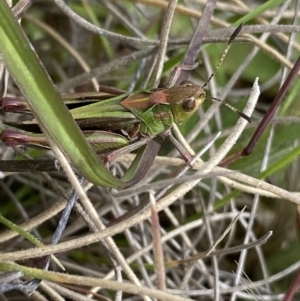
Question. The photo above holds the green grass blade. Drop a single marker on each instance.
(257, 11)
(54, 118)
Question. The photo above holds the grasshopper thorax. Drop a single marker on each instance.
(185, 99)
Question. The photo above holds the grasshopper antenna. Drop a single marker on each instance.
(232, 108)
(231, 39)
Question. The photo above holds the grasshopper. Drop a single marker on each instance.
(123, 122)
(118, 122)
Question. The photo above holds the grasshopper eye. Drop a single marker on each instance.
(189, 104)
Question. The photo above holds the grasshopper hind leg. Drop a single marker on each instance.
(113, 155)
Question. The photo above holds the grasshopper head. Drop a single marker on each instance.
(185, 99)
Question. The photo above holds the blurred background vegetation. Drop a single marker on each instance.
(67, 50)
